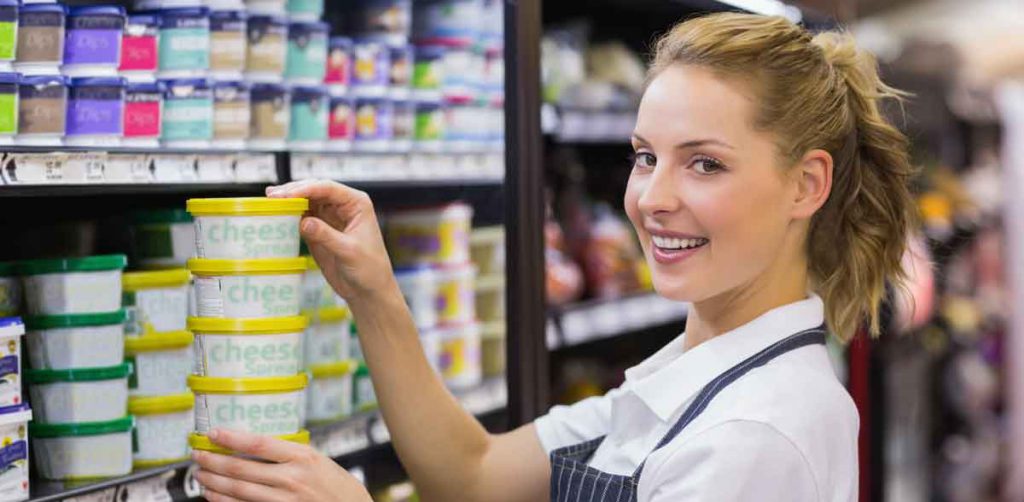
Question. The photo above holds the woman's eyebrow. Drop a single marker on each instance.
(688, 144)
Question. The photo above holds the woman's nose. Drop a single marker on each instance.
(661, 194)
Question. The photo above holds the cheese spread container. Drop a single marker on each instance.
(248, 347)
(247, 227)
(265, 287)
(267, 405)
(329, 395)
(162, 426)
(438, 236)
(162, 362)
(83, 451)
(79, 395)
(316, 292)
(69, 341)
(201, 442)
(328, 338)
(89, 285)
(158, 299)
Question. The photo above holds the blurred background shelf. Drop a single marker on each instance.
(590, 321)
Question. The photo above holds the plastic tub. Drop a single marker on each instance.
(42, 109)
(268, 44)
(95, 110)
(231, 113)
(79, 395)
(92, 43)
(329, 396)
(236, 348)
(40, 38)
(67, 341)
(429, 129)
(375, 118)
(158, 298)
(8, 35)
(162, 426)
(247, 227)
(371, 69)
(492, 350)
(188, 113)
(487, 249)
(14, 483)
(10, 289)
(11, 331)
(460, 356)
(143, 113)
(83, 451)
(184, 43)
(162, 361)
(201, 442)
(339, 65)
(8, 102)
(454, 22)
(328, 337)
(305, 10)
(404, 125)
(363, 396)
(435, 236)
(316, 292)
(268, 406)
(456, 296)
(387, 21)
(271, 115)
(419, 287)
(400, 71)
(490, 298)
(163, 238)
(307, 53)
(140, 47)
(428, 71)
(263, 287)
(89, 285)
(341, 126)
(309, 117)
(227, 44)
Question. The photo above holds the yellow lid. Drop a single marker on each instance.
(248, 326)
(248, 206)
(264, 266)
(201, 442)
(140, 465)
(134, 281)
(340, 368)
(328, 314)
(158, 405)
(311, 263)
(259, 385)
(151, 342)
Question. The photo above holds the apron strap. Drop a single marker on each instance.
(813, 336)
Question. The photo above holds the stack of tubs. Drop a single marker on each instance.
(248, 329)
(78, 381)
(487, 251)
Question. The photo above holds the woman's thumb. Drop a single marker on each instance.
(317, 232)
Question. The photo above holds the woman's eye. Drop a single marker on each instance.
(707, 165)
(643, 159)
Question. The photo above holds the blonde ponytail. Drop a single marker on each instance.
(820, 92)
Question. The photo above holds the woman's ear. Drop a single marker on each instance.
(813, 178)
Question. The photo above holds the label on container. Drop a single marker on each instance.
(162, 309)
(271, 114)
(329, 398)
(365, 398)
(238, 237)
(227, 42)
(311, 8)
(10, 373)
(372, 64)
(95, 110)
(160, 372)
(429, 123)
(250, 296)
(188, 119)
(8, 33)
(328, 343)
(342, 123)
(139, 52)
(185, 48)
(142, 114)
(307, 56)
(209, 301)
(404, 121)
(460, 357)
(268, 414)
(309, 119)
(8, 110)
(93, 39)
(400, 73)
(374, 119)
(339, 67)
(267, 45)
(14, 462)
(40, 37)
(248, 356)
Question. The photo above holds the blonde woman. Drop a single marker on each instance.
(769, 192)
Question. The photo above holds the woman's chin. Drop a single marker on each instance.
(675, 291)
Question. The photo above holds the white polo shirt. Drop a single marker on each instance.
(786, 431)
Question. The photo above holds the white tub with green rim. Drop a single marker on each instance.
(83, 451)
(201, 442)
(158, 299)
(236, 348)
(266, 287)
(161, 362)
(89, 285)
(329, 395)
(162, 426)
(247, 227)
(10, 290)
(60, 342)
(163, 238)
(266, 405)
(79, 395)
(329, 336)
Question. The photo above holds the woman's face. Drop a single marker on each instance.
(711, 205)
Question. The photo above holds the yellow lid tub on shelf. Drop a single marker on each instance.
(329, 396)
(157, 301)
(247, 227)
(162, 362)
(236, 348)
(329, 336)
(162, 426)
(201, 442)
(265, 405)
(85, 450)
(268, 287)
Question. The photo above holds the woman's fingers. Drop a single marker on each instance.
(213, 496)
(240, 468)
(239, 489)
(264, 447)
(317, 232)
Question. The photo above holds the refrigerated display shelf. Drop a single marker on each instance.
(601, 319)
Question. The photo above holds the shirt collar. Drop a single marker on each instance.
(671, 377)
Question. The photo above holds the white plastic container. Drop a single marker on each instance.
(88, 285)
(159, 299)
(10, 290)
(316, 292)
(163, 239)
(266, 287)
(328, 337)
(460, 356)
(162, 426)
(269, 406)
(419, 287)
(487, 249)
(14, 481)
(83, 451)
(79, 395)
(329, 395)
(436, 236)
(201, 442)
(11, 331)
(236, 348)
(490, 298)
(162, 362)
(456, 294)
(247, 227)
(60, 342)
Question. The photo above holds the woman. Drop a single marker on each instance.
(769, 192)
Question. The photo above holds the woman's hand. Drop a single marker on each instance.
(299, 474)
(343, 236)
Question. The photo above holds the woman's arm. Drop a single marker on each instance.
(446, 452)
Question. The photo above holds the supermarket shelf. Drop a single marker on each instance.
(597, 320)
(587, 126)
(170, 482)
(131, 189)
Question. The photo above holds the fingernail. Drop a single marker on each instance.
(308, 225)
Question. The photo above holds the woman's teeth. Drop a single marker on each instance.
(673, 243)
